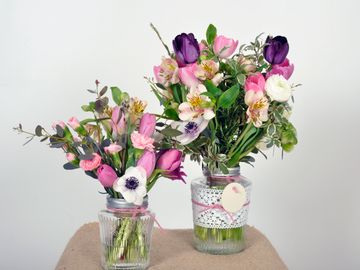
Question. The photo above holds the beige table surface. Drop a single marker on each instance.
(172, 250)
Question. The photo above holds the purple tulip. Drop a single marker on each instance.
(276, 49)
(147, 161)
(147, 124)
(106, 175)
(170, 162)
(186, 49)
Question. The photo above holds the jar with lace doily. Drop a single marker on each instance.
(220, 210)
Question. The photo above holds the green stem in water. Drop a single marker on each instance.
(242, 135)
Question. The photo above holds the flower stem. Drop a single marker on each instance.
(242, 135)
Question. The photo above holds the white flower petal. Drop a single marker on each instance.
(138, 200)
(209, 114)
(129, 196)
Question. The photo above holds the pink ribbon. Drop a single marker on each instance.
(136, 211)
(216, 206)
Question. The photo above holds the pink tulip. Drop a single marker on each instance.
(170, 163)
(70, 157)
(117, 121)
(187, 75)
(147, 161)
(106, 175)
(147, 124)
(92, 164)
(285, 69)
(255, 83)
(74, 123)
(224, 47)
(112, 148)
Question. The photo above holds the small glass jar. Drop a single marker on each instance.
(125, 234)
(216, 231)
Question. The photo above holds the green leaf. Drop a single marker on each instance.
(229, 97)
(172, 114)
(271, 129)
(177, 93)
(88, 108)
(210, 34)
(170, 132)
(223, 168)
(241, 78)
(116, 94)
(212, 88)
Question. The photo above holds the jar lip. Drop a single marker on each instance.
(120, 203)
(234, 171)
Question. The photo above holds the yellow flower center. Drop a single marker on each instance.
(258, 105)
(195, 101)
(207, 68)
(138, 107)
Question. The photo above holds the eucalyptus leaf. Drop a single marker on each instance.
(69, 166)
(103, 91)
(59, 131)
(86, 156)
(38, 130)
(170, 132)
(160, 86)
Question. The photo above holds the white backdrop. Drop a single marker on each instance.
(51, 51)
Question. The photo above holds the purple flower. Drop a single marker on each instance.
(186, 49)
(170, 162)
(276, 49)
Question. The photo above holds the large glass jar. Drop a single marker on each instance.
(125, 234)
(217, 230)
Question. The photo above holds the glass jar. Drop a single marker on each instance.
(216, 230)
(125, 234)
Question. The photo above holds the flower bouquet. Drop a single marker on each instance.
(225, 104)
(124, 150)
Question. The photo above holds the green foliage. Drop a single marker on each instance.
(210, 34)
(116, 95)
(228, 97)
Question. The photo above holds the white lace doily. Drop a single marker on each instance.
(216, 218)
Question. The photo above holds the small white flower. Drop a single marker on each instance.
(278, 88)
(190, 129)
(132, 185)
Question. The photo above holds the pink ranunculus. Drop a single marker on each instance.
(112, 148)
(187, 75)
(92, 164)
(224, 47)
(170, 162)
(106, 175)
(118, 121)
(70, 157)
(141, 141)
(58, 123)
(255, 83)
(147, 124)
(147, 161)
(74, 123)
(285, 69)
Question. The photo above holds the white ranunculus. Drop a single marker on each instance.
(278, 88)
(132, 185)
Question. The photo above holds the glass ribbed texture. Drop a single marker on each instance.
(125, 240)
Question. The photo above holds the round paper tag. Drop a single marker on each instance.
(233, 197)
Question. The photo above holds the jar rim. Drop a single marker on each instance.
(234, 171)
(120, 203)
